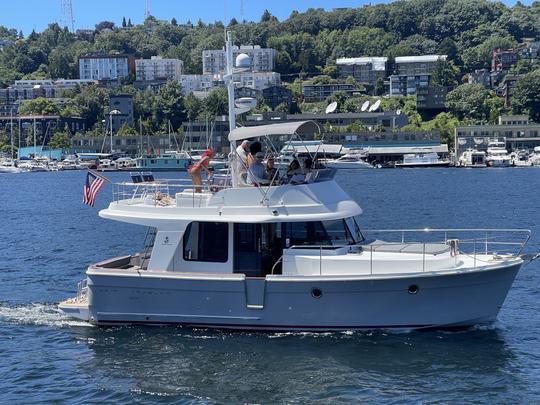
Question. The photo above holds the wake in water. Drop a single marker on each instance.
(37, 314)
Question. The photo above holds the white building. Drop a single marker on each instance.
(364, 69)
(262, 59)
(105, 67)
(207, 82)
(417, 65)
(157, 68)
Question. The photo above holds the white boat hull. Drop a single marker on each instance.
(287, 303)
(347, 165)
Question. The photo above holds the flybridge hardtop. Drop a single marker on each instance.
(288, 255)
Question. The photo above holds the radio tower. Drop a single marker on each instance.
(66, 15)
(146, 9)
(241, 11)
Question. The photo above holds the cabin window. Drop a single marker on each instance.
(206, 242)
(325, 233)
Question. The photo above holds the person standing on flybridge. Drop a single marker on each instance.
(241, 158)
(195, 170)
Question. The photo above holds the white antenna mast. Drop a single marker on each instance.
(66, 16)
(146, 9)
(228, 78)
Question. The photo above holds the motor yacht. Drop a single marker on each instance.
(71, 162)
(288, 257)
(534, 159)
(9, 166)
(497, 155)
(424, 159)
(348, 161)
(472, 158)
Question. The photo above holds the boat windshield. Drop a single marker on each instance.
(337, 232)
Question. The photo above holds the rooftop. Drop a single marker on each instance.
(420, 58)
(379, 63)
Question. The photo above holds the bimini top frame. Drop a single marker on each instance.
(287, 128)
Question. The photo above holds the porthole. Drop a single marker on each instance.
(413, 289)
(316, 293)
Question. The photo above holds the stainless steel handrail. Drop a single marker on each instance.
(487, 242)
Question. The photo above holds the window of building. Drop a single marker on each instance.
(206, 242)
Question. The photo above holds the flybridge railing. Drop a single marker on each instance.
(481, 245)
(163, 191)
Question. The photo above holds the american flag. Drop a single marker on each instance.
(94, 182)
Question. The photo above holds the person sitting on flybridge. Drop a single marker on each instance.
(257, 172)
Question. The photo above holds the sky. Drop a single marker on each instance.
(27, 15)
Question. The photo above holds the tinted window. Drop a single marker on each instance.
(206, 242)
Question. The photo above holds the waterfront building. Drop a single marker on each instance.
(516, 130)
(157, 68)
(132, 145)
(320, 92)
(387, 120)
(100, 66)
(428, 96)
(365, 70)
(416, 65)
(262, 59)
(45, 125)
(202, 134)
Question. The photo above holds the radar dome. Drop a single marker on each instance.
(243, 61)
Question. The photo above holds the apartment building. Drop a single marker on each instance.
(417, 65)
(100, 66)
(262, 59)
(364, 70)
(158, 68)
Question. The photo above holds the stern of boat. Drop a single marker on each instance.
(77, 307)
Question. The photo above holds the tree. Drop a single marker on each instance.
(60, 140)
(174, 22)
(468, 101)
(445, 73)
(266, 16)
(124, 23)
(233, 22)
(171, 103)
(39, 106)
(129, 24)
(526, 95)
(193, 106)
(216, 103)
(104, 25)
(126, 130)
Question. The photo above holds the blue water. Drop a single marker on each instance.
(48, 237)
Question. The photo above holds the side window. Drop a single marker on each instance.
(206, 242)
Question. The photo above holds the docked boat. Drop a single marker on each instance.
(9, 166)
(534, 159)
(126, 163)
(71, 162)
(288, 257)
(107, 165)
(472, 158)
(497, 155)
(167, 161)
(424, 159)
(348, 161)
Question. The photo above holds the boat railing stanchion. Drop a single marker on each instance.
(402, 236)
(486, 243)
(320, 260)
(371, 260)
(424, 257)
(474, 252)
